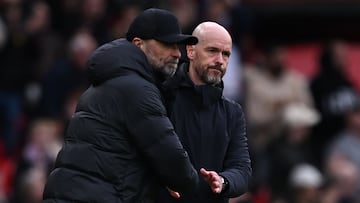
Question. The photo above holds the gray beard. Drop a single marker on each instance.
(207, 78)
(212, 80)
(168, 71)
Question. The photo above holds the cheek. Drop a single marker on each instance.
(162, 56)
(226, 65)
(156, 52)
(223, 72)
(199, 56)
(155, 55)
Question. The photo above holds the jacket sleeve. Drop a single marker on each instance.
(154, 135)
(237, 165)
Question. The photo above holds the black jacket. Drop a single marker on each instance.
(120, 145)
(212, 130)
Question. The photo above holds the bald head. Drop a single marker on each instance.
(211, 31)
(210, 56)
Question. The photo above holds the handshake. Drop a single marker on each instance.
(216, 182)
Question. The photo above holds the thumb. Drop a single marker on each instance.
(203, 171)
(173, 193)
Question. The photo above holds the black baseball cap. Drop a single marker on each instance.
(160, 25)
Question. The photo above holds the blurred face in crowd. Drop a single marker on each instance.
(339, 53)
(353, 121)
(210, 57)
(82, 44)
(39, 17)
(275, 60)
(93, 9)
(163, 57)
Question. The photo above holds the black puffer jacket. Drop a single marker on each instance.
(119, 146)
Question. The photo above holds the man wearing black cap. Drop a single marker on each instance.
(120, 145)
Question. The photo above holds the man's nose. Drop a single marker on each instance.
(176, 52)
(220, 59)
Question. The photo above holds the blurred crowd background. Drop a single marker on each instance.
(294, 68)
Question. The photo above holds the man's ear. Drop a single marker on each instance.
(137, 41)
(190, 51)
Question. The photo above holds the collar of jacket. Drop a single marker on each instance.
(206, 94)
(117, 58)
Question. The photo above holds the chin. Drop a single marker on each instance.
(212, 80)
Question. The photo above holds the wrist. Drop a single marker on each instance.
(225, 183)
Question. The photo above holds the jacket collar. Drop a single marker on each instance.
(116, 58)
(206, 94)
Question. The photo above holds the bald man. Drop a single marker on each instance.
(211, 127)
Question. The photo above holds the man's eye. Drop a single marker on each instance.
(226, 54)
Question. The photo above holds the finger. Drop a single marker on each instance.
(217, 190)
(204, 172)
(216, 187)
(211, 175)
(206, 175)
(214, 177)
(174, 194)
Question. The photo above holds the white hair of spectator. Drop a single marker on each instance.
(80, 41)
(305, 176)
(300, 115)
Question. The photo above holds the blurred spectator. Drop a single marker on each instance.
(332, 91)
(269, 88)
(72, 15)
(43, 44)
(38, 157)
(13, 76)
(344, 151)
(65, 17)
(42, 47)
(93, 18)
(291, 147)
(31, 186)
(305, 182)
(220, 11)
(329, 192)
(67, 74)
(185, 11)
(42, 144)
(242, 28)
(344, 180)
(250, 53)
(120, 22)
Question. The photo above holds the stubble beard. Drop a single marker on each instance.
(207, 77)
(166, 70)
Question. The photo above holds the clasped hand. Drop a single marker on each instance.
(211, 177)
